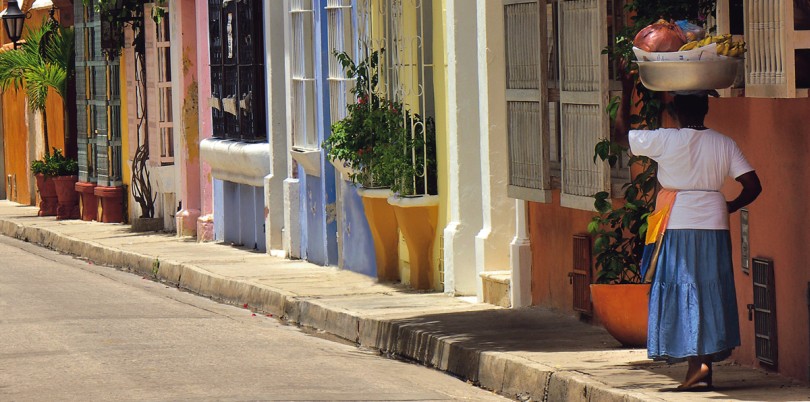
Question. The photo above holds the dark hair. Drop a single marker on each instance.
(691, 106)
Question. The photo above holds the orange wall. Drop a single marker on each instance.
(551, 230)
(775, 137)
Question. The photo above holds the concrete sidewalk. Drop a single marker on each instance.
(529, 353)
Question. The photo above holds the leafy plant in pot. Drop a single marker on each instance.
(56, 176)
(354, 147)
(410, 158)
(619, 297)
(44, 171)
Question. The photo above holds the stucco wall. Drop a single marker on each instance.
(775, 137)
(551, 230)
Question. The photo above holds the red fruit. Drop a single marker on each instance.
(245, 305)
(661, 36)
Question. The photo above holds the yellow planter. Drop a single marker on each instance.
(417, 218)
(383, 225)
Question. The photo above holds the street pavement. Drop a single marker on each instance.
(71, 330)
(526, 354)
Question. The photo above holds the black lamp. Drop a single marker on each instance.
(13, 20)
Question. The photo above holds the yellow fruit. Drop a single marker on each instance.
(689, 46)
(735, 51)
(722, 48)
(721, 38)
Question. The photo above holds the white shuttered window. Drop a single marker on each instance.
(583, 98)
(526, 104)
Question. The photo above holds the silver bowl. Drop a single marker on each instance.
(688, 75)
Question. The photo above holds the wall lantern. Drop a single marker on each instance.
(13, 20)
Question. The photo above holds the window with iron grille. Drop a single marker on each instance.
(236, 44)
(302, 74)
(339, 38)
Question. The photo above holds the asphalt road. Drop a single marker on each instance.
(71, 330)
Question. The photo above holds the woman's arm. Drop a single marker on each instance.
(750, 191)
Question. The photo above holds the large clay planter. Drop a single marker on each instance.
(623, 310)
(87, 200)
(417, 218)
(47, 194)
(383, 225)
(67, 197)
(112, 203)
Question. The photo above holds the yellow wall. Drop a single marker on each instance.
(440, 99)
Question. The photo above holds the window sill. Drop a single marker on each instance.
(237, 162)
(309, 159)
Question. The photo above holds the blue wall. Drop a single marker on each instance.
(239, 214)
(358, 245)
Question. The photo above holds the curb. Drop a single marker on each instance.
(500, 372)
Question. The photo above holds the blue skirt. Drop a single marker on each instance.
(693, 303)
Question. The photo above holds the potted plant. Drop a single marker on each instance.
(354, 147)
(44, 170)
(410, 159)
(67, 171)
(620, 299)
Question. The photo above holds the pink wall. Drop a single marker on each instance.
(775, 137)
(204, 91)
(190, 177)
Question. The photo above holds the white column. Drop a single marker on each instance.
(276, 106)
(464, 173)
(492, 242)
(291, 235)
(521, 260)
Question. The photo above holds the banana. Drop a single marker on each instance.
(735, 51)
(722, 48)
(721, 38)
(689, 45)
(705, 41)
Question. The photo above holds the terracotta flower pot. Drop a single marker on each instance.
(623, 310)
(417, 218)
(383, 226)
(112, 203)
(47, 194)
(88, 200)
(67, 197)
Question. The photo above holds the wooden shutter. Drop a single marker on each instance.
(581, 274)
(772, 44)
(526, 99)
(765, 312)
(583, 99)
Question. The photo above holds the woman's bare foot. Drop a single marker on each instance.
(696, 373)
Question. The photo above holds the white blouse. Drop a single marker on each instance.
(695, 162)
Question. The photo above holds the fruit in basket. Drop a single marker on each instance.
(731, 49)
(661, 36)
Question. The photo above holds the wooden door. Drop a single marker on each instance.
(15, 132)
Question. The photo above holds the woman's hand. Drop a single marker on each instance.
(750, 191)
